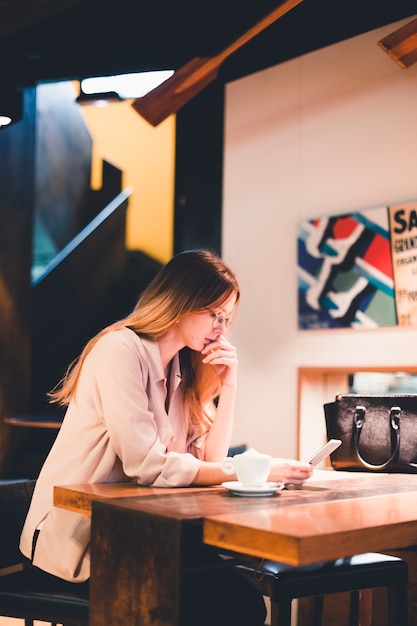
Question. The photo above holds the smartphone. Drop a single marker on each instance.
(321, 454)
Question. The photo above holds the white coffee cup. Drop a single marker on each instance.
(251, 467)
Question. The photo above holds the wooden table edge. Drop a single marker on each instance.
(79, 498)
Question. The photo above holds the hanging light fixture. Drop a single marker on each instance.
(102, 90)
(11, 108)
(100, 99)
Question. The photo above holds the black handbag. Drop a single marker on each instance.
(378, 433)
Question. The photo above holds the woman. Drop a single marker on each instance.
(151, 398)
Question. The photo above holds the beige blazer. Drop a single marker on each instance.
(115, 429)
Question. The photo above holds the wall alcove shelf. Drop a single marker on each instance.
(30, 422)
(318, 385)
(32, 437)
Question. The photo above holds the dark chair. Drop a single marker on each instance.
(284, 583)
(356, 575)
(25, 591)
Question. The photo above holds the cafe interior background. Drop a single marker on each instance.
(326, 133)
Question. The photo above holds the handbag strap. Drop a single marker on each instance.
(394, 420)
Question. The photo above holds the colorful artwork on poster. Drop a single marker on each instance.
(345, 271)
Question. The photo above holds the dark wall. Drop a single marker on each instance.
(63, 145)
(45, 162)
(65, 202)
(17, 149)
(70, 300)
(199, 166)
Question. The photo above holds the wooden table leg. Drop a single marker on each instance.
(135, 567)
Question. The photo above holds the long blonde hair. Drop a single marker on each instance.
(191, 281)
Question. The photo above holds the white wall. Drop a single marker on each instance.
(330, 132)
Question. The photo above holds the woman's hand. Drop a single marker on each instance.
(289, 471)
(222, 356)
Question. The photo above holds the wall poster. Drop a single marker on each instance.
(358, 270)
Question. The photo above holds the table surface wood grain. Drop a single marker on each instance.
(334, 514)
(79, 497)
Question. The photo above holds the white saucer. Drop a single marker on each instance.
(237, 489)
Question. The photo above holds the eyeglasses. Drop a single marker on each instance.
(220, 320)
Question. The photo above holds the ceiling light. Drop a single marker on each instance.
(102, 90)
(5, 120)
(101, 99)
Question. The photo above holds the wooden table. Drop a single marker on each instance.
(31, 422)
(79, 498)
(136, 540)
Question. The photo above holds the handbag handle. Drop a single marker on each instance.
(394, 418)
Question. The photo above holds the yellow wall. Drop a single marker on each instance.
(146, 156)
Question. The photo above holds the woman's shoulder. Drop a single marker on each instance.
(123, 345)
(124, 339)
(121, 337)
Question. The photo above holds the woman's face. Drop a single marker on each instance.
(199, 329)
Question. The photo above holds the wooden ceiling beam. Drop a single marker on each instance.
(195, 75)
(401, 45)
